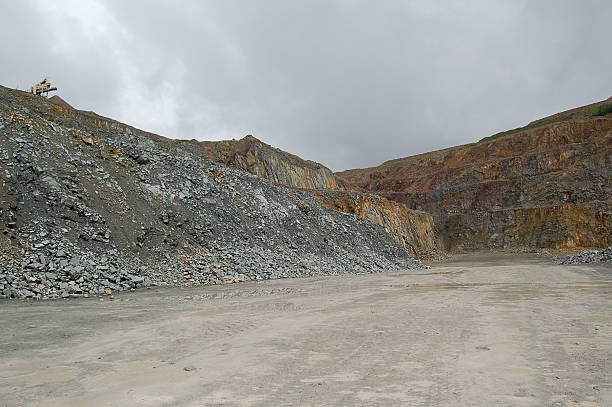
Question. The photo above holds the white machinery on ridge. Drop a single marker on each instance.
(41, 87)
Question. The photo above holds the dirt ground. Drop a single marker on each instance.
(479, 330)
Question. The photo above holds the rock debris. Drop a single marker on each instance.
(90, 206)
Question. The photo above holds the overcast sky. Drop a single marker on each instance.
(346, 83)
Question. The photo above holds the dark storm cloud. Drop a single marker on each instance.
(346, 83)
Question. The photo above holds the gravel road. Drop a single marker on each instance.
(480, 331)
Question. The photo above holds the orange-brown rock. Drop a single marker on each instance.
(414, 230)
(546, 185)
(252, 155)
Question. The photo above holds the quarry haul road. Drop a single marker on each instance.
(476, 331)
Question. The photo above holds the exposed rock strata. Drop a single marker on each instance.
(252, 155)
(549, 186)
(414, 230)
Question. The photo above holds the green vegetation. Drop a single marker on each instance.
(578, 113)
(502, 134)
(532, 125)
(558, 118)
(602, 110)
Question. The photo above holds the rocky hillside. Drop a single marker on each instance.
(90, 206)
(254, 156)
(546, 185)
(414, 230)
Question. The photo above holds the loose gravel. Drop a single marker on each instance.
(589, 256)
(89, 206)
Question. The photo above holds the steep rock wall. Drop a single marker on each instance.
(414, 230)
(252, 155)
(547, 186)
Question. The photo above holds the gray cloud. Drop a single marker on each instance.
(346, 83)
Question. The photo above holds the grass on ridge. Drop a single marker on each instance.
(530, 126)
(584, 112)
(602, 110)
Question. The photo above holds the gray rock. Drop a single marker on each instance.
(589, 256)
(136, 279)
(197, 220)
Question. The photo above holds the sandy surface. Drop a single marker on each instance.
(480, 331)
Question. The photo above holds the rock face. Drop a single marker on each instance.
(90, 206)
(414, 230)
(252, 155)
(548, 185)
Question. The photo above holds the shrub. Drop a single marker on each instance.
(602, 110)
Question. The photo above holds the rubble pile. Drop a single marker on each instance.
(89, 206)
(589, 256)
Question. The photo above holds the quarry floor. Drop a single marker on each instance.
(477, 330)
